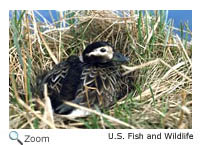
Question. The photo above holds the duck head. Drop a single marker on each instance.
(102, 53)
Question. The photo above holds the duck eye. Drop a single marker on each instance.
(103, 50)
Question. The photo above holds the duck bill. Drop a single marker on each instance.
(118, 57)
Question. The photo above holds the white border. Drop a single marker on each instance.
(95, 136)
(101, 5)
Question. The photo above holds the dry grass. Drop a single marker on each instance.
(160, 65)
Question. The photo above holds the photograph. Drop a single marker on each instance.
(100, 69)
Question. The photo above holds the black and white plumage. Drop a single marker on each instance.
(94, 81)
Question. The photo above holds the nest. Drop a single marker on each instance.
(160, 69)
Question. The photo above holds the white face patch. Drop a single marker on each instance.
(105, 51)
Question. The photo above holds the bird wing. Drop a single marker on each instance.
(61, 82)
(54, 77)
(99, 87)
(95, 87)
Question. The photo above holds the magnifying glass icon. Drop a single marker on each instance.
(13, 135)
